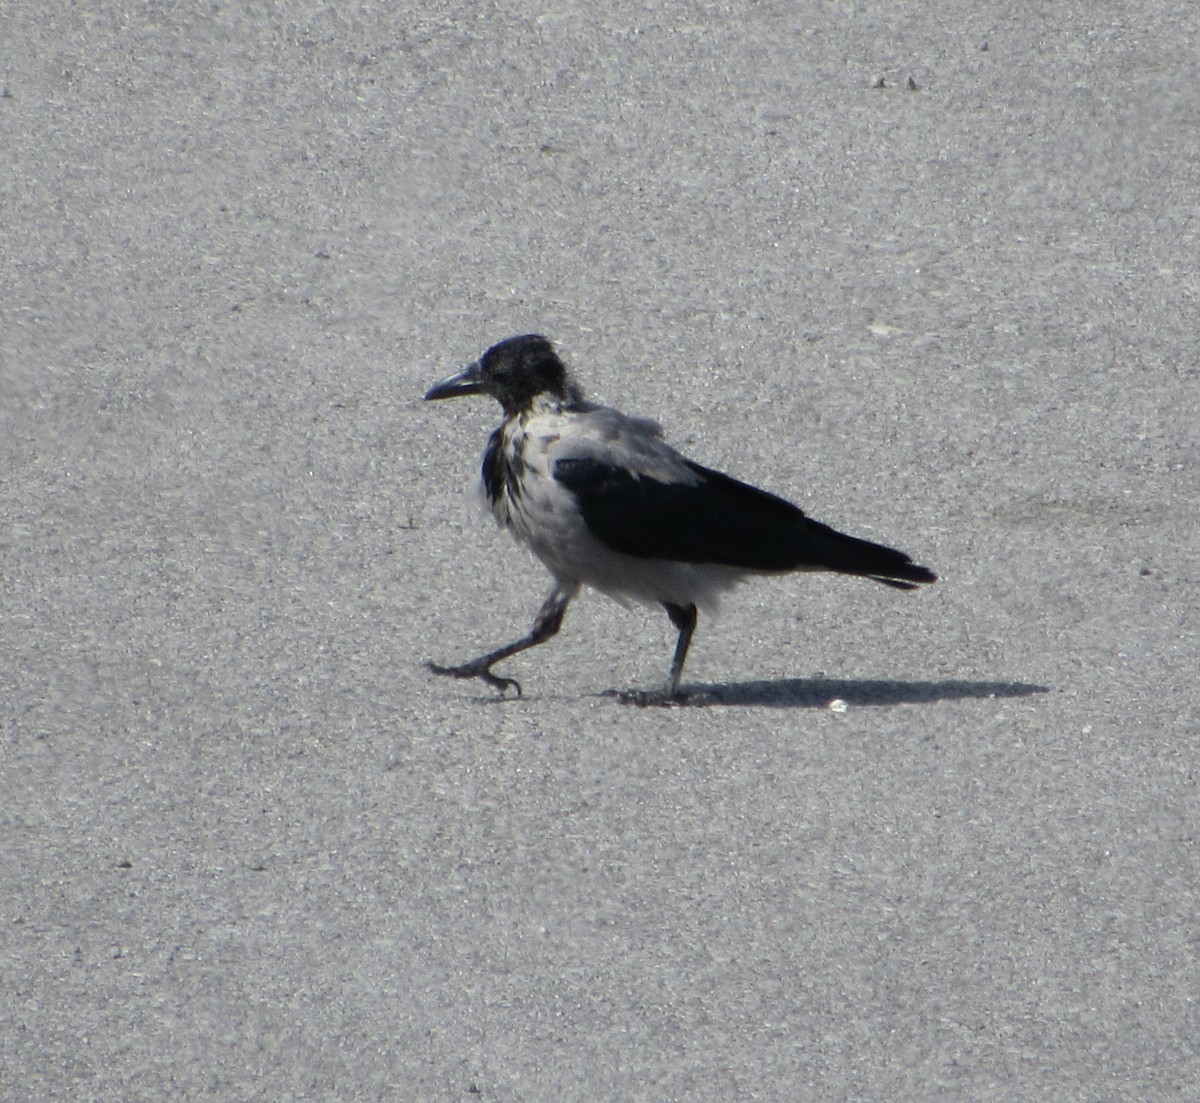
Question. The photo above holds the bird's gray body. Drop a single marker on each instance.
(544, 514)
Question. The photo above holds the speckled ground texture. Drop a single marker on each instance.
(928, 270)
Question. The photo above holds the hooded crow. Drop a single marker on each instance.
(602, 499)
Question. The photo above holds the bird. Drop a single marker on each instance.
(603, 500)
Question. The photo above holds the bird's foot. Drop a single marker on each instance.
(479, 669)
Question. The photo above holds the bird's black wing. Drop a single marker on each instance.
(710, 518)
(714, 518)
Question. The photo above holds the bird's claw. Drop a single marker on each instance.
(479, 670)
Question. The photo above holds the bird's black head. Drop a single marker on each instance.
(514, 373)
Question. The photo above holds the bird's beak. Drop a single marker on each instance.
(467, 381)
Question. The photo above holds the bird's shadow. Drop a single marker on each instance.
(823, 693)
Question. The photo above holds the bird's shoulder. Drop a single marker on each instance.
(603, 437)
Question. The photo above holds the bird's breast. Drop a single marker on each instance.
(503, 467)
(518, 482)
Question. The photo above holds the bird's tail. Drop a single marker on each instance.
(835, 551)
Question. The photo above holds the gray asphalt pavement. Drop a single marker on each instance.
(930, 271)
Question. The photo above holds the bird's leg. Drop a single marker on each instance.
(684, 618)
(547, 622)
